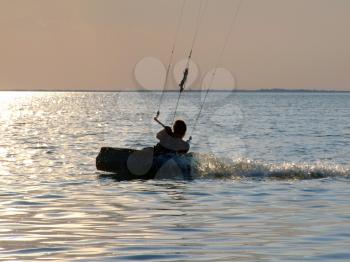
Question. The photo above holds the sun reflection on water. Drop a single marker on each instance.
(7, 97)
(9, 102)
(54, 206)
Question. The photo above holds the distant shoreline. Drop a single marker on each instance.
(273, 90)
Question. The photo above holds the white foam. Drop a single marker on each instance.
(211, 167)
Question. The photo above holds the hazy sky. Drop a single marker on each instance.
(95, 44)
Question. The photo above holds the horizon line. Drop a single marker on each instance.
(262, 90)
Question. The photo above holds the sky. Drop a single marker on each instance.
(122, 44)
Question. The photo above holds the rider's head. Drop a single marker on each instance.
(179, 128)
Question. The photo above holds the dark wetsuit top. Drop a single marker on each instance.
(170, 144)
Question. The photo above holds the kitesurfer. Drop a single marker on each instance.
(171, 141)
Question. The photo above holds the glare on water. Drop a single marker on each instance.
(272, 184)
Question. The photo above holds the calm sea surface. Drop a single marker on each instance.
(272, 178)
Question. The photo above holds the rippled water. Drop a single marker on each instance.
(272, 182)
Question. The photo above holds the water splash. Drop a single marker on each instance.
(207, 166)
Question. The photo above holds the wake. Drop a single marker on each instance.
(211, 167)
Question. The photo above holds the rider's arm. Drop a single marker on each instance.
(164, 133)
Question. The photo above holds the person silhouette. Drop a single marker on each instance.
(171, 140)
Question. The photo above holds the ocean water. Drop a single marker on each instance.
(271, 183)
